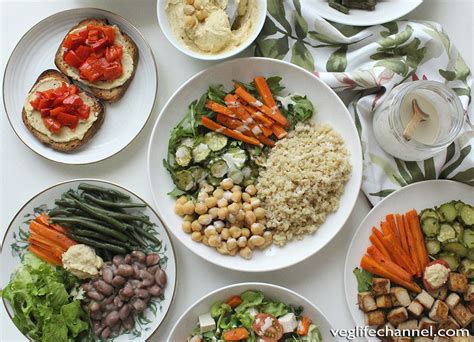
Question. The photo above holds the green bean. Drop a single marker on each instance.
(94, 213)
(96, 235)
(97, 244)
(90, 225)
(110, 204)
(59, 212)
(133, 234)
(338, 7)
(147, 234)
(95, 188)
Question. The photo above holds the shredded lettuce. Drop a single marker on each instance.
(40, 296)
(249, 299)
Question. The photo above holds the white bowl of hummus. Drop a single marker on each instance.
(202, 28)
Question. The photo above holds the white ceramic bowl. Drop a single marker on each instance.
(166, 28)
(188, 320)
(329, 108)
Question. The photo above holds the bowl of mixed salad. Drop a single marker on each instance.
(252, 312)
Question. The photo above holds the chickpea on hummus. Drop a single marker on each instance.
(203, 25)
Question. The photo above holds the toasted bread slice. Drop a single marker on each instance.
(110, 95)
(96, 109)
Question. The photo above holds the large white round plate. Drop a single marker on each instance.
(329, 108)
(189, 319)
(124, 119)
(14, 244)
(385, 11)
(415, 196)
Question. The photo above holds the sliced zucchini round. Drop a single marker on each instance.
(183, 156)
(218, 168)
(468, 238)
(189, 142)
(467, 215)
(235, 158)
(428, 213)
(467, 268)
(185, 180)
(215, 141)
(199, 173)
(433, 246)
(451, 259)
(447, 212)
(456, 248)
(446, 233)
(201, 152)
(459, 229)
(430, 226)
(236, 175)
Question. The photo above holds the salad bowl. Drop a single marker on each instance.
(15, 245)
(328, 109)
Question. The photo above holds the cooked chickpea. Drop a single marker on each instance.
(259, 213)
(228, 195)
(179, 209)
(189, 218)
(268, 236)
(255, 202)
(227, 184)
(231, 219)
(202, 196)
(222, 203)
(188, 208)
(214, 240)
(250, 218)
(189, 2)
(182, 200)
(202, 15)
(219, 225)
(222, 213)
(236, 188)
(246, 253)
(222, 248)
(208, 188)
(247, 206)
(210, 230)
(189, 21)
(262, 221)
(186, 226)
(200, 208)
(213, 212)
(240, 215)
(242, 242)
(218, 193)
(211, 202)
(231, 244)
(225, 233)
(235, 232)
(255, 241)
(251, 190)
(234, 208)
(196, 236)
(199, 3)
(196, 226)
(245, 232)
(205, 219)
(188, 10)
(246, 197)
(233, 251)
(205, 240)
(237, 196)
(257, 228)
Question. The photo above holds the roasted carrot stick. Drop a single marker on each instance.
(247, 97)
(61, 239)
(412, 217)
(43, 219)
(386, 229)
(44, 255)
(412, 247)
(44, 240)
(403, 233)
(55, 250)
(370, 265)
(398, 255)
(391, 221)
(264, 91)
(234, 124)
(388, 264)
(219, 108)
(279, 131)
(379, 245)
(266, 131)
(259, 116)
(214, 126)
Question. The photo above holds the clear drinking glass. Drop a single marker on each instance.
(434, 98)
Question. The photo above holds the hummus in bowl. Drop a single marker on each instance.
(203, 29)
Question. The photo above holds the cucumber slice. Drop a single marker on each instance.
(236, 175)
(433, 246)
(219, 168)
(214, 181)
(467, 215)
(235, 158)
(428, 213)
(201, 152)
(458, 228)
(199, 173)
(447, 212)
(467, 268)
(430, 226)
(184, 180)
(451, 259)
(215, 141)
(183, 156)
(189, 142)
(456, 248)
(446, 233)
(458, 205)
(468, 238)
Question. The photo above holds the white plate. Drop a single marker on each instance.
(124, 119)
(385, 11)
(188, 320)
(418, 196)
(329, 108)
(14, 244)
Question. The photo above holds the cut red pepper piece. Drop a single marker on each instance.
(73, 100)
(55, 111)
(73, 40)
(72, 59)
(113, 53)
(83, 111)
(100, 44)
(68, 120)
(113, 72)
(83, 52)
(35, 102)
(109, 32)
(52, 124)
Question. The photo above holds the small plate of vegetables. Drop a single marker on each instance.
(87, 259)
(252, 312)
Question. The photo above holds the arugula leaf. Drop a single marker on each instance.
(364, 280)
(303, 108)
(217, 93)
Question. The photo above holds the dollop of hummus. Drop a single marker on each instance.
(82, 261)
(436, 275)
(203, 25)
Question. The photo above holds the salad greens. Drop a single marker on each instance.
(42, 301)
(364, 280)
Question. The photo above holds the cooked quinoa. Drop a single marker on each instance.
(302, 180)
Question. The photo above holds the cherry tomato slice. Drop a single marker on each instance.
(52, 124)
(68, 120)
(113, 53)
(72, 59)
(273, 331)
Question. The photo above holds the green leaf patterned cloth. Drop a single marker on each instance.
(367, 62)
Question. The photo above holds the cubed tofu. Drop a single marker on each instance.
(415, 308)
(412, 324)
(422, 339)
(288, 322)
(462, 339)
(449, 324)
(425, 299)
(428, 324)
(401, 295)
(376, 317)
(206, 322)
(452, 300)
(380, 286)
(404, 339)
(462, 315)
(366, 302)
(440, 293)
(470, 306)
(384, 335)
(397, 316)
(442, 339)
(457, 282)
(384, 301)
(439, 311)
(469, 295)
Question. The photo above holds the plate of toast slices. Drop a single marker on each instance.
(87, 87)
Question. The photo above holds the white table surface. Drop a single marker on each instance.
(23, 173)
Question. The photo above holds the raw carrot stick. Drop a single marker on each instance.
(403, 234)
(388, 264)
(386, 229)
(391, 221)
(421, 252)
(370, 265)
(234, 124)
(412, 247)
(219, 108)
(379, 245)
(44, 255)
(398, 255)
(61, 239)
(214, 126)
(57, 227)
(43, 219)
(44, 240)
(279, 131)
(56, 251)
(247, 97)
(259, 116)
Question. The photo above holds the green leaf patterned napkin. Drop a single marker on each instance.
(367, 62)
